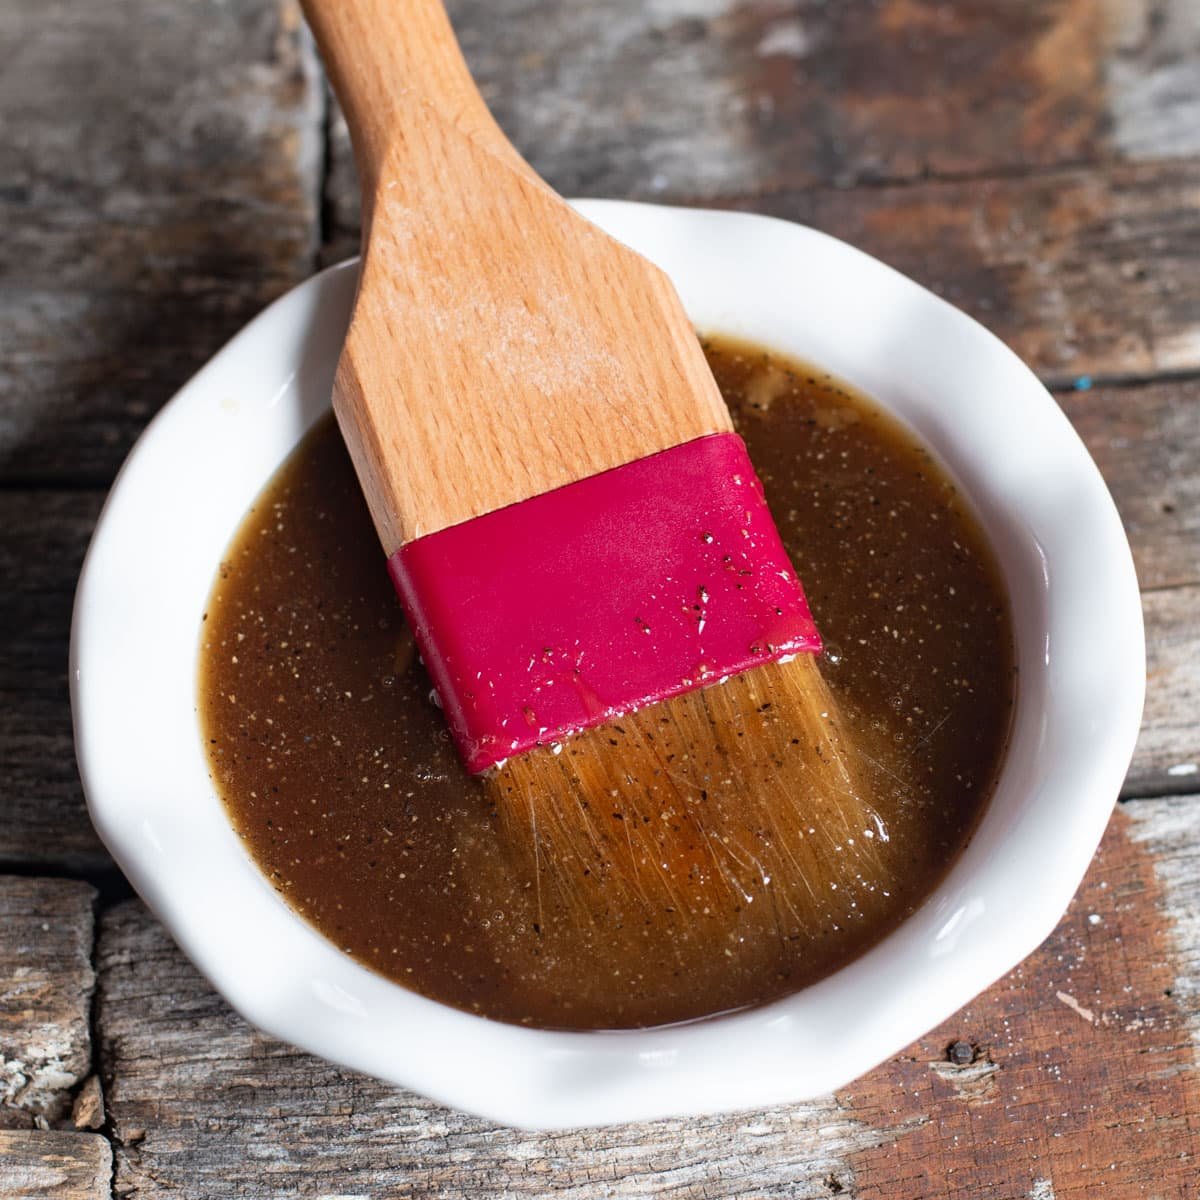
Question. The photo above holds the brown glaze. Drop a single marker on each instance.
(337, 771)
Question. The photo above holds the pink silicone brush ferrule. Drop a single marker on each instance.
(632, 586)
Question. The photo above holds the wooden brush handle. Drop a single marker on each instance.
(376, 51)
(501, 346)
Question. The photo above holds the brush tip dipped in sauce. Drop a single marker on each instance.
(337, 771)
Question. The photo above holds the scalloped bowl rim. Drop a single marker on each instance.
(1077, 614)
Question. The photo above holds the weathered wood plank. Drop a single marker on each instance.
(42, 816)
(197, 1099)
(182, 195)
(1153, 84)
(1082, 1078)
(46, 982)
(1147, 443)
(1168, 751)
(1167, 830)
(701, 99)
(1083, 272)
(1081, 1058)
(147, 218)
(55, 1166)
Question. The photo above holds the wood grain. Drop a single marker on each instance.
(501, 346)
(1146, 441)
(1168, 750)
(1083, 272)
(201, 1103)
(42, 543)
(1080, 1058)
(45, 997)
(374, 55)
(701, 99)
(55, 1166)
(1082, 1079)
(1160, 829)
(154, 196)
(122, 272)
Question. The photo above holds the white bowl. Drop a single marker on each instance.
(1078, 623)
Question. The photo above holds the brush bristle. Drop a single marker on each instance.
(745, 796)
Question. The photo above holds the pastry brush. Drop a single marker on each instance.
(611, 623)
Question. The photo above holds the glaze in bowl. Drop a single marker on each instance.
(1080, 650)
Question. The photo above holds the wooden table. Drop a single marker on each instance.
(169, 166)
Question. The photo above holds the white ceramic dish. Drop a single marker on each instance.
(1080, 646)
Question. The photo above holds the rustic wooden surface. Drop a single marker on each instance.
(46, 982)
(199, 1099)
(166, 168)
(55, 1166)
